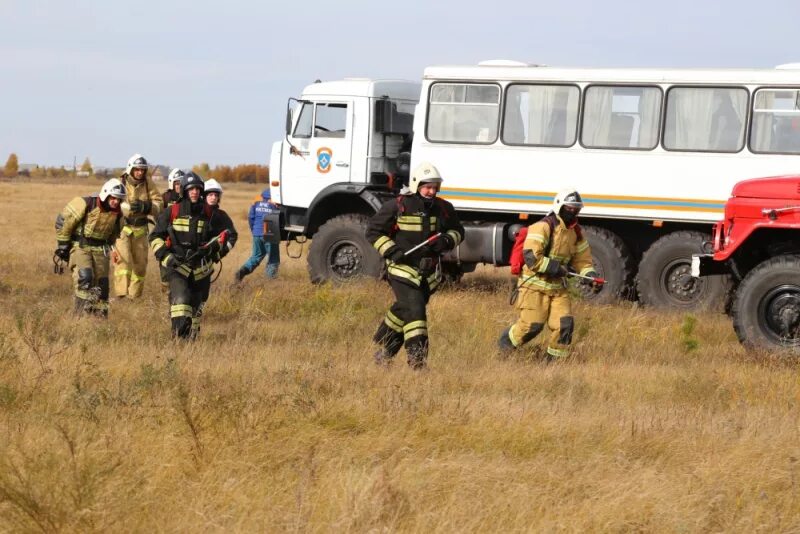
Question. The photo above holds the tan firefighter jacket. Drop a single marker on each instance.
(88, 223)
(545, 247)
(143, 191)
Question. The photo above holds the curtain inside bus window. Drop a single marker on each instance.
(776, 121)
(463, 113)
(710, 119)
(621, 117)
(541, 115)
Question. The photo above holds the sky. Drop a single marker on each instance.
(189, 81)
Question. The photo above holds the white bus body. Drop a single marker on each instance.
(654, 152)
(645, 184)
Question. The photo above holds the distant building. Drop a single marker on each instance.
(159, 172)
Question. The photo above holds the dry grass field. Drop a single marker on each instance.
(277, 419)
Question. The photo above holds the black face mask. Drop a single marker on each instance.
(569, 217)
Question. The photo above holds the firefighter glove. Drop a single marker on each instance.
(442, 244)
(63, 250)
(396, 255)
(556, 269)
(172, 262)
(136, 206)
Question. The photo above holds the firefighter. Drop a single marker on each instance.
(554, 247)
(173, 194)
(86, 231)
(187, 241)
(399, 226)
(264, 218)
(130, 259)
(170, 197)
(220, 218)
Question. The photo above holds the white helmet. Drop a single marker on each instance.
(174, 176)
(567, 197)
(136, 161)
(424, 173)
(113, 188)
(213, 186)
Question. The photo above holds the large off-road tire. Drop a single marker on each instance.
(340, 251)
(665, 275)
(613, 261)
(766, 309)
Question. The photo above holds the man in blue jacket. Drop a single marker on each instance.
(264, 218)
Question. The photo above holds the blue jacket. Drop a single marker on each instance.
(260, 209)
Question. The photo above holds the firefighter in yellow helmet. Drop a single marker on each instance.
(400, 225)
(85, 232)
(554, 247)
(144, 200)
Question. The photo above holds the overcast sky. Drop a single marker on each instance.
(185, 81)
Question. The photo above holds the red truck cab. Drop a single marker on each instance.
(758, 243)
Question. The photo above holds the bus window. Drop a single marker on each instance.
(776, 121)
(621, 117)
(463, 113)
(541, 115)
(710, 119)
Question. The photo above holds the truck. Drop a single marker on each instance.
(653, 152)
(758, 243)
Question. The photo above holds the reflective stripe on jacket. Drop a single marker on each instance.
(562, 246)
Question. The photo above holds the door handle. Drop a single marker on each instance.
(342, 164)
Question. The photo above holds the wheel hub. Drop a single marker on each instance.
(782, 312)
(679, 284)
(345, 259)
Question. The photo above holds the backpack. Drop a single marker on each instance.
(517, 260)
(91, 203)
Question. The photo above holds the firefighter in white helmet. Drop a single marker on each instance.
(143, 201)
(554, 247)
(400, 225)
(173, 193)
(85, 232)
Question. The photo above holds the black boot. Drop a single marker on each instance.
(240, 274)
(417, 350)
(82, 306)
(382, 357)
(504, 343)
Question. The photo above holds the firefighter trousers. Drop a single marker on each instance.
(89, 267)
(537, 308)
(129, 271)
(187, 297)
(406, 323)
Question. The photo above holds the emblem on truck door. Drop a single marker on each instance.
(324, 155)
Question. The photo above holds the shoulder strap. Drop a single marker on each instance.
(91, 203)
(401, 208)
(174, 210)
(550, 219)
(578, 231)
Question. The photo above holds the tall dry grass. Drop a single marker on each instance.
(277, 420)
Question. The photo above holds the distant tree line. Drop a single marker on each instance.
(248, 173)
